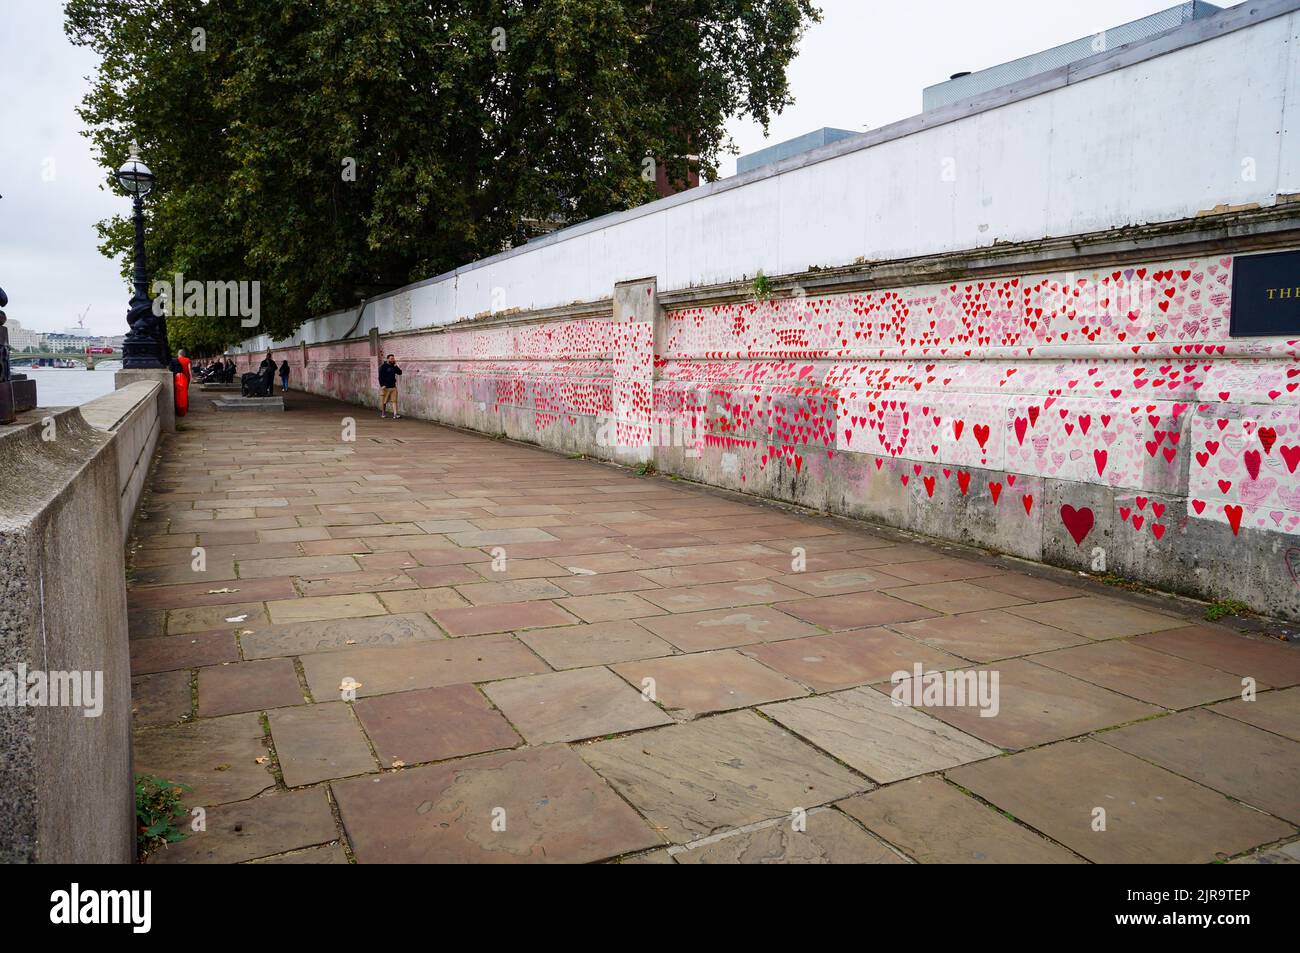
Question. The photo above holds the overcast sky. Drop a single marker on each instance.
(864, 66)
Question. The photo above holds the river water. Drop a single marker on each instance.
(71, 387)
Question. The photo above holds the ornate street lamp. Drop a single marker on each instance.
(146, 343)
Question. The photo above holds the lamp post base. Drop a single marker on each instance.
(142, 354)
(17, 395)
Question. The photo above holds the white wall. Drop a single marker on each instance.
(1127, 137)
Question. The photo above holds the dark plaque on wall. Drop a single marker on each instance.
(1266, 294)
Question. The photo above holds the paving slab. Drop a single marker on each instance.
(173, 652)
(1287, 854)
(580, 646)
(673, 576)
(481, 620)
(217, 572)
(935, 823)
(216, 757)
(697, 779)
(350, 582)
(520, 590)
(145, 623)
(1269, 662)
(725, 628)
(329, 635)
(822, 837)
(1254, 766)
(868, 732)
(320, 608)
(660, 856)
(516, 569)
(422, 601)
(600, 583)
(1152, 816)
(1035, 705)
(927, 569)
(704, 682)
(1278, 712)
(248, 686)
(254, 568)
(161, 699)
(1097, 617)
(988, 636)
(1149, 676)
(319, 742)
(827, 663)
(1029, 588)
(402, 668)
(435, 577)
(339, 547)
(259, 827)
(572, 705)
(500, 537)
(535, 805)
(326, 854)
(816, 562)
(834, 582)
(609, 607)
(720, 595)
(433, 724)
(954, 596)
(855, 610)
(215, 593)
(211, 618)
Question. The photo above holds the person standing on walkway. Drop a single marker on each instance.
(284, 376)
(267, 371)
(388, 374)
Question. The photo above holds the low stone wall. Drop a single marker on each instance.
(1079, 401)
(136, 425)
(72, 478)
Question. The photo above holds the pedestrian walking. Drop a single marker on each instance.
(388, 374)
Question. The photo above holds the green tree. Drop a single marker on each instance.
(470, 125)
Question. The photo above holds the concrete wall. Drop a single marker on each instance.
(1157, 131)
(135, 425)
(65, 779)
(929, 359)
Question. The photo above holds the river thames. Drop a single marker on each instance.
(70, 387)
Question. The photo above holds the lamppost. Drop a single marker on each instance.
(145, 346)
(17, 393)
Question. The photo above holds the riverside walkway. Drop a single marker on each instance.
(426, 645)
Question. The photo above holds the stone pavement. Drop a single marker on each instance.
(427, 645)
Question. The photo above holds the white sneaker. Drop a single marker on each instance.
(397, 416)
(382, 416)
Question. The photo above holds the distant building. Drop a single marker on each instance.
(20, 338)
(791, 147)
(967, 85)
(64, 341)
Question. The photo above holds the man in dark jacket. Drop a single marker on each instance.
(266, 370)
(388, 374)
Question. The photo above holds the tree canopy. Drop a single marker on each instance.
(334, 149)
